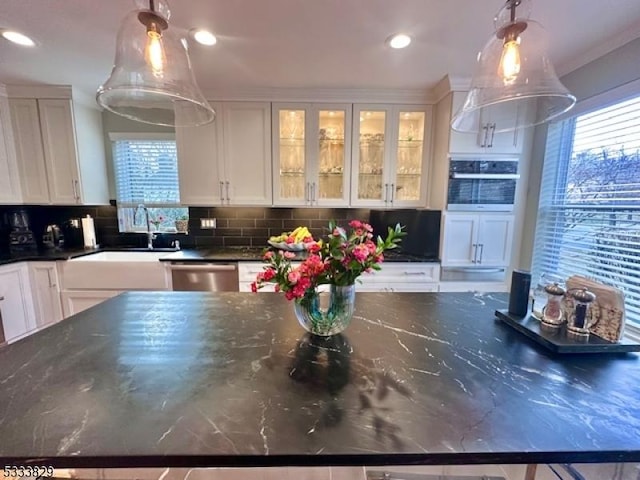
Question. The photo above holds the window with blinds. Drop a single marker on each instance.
(589, 213)
(146, 173)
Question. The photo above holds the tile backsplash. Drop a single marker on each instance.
(236, 226)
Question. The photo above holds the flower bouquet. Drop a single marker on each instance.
(337, 262)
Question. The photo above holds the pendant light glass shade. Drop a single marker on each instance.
(152, 80)
(514, 84)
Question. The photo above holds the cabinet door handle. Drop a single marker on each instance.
(481, 245)
(306, 193)
(313, 193)
(485, 129)
(75, 192)
(475, 252)
(221, 192)
(492, 127)
(228, 198)
(416, 273)
(386, 192)
(49, 278)
(393, 192)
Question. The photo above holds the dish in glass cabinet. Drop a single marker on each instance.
(289, 247)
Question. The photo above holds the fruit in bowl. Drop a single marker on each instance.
(293, 241)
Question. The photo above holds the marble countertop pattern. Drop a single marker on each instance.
(230, 379)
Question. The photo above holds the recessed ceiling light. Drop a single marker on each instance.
(18, 38)
(204, 37)
(399, 41)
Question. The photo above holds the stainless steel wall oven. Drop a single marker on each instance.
(482, 184)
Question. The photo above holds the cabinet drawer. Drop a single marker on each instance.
(404, 273)
(398, 287)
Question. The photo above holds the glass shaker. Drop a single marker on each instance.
(578, 322)
(552, 313)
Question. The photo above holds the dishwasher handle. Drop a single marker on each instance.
(212, 267)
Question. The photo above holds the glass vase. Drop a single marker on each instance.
(326, 313)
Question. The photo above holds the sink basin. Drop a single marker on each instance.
(121, 257)
(115, 271)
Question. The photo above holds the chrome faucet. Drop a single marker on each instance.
(150, 236)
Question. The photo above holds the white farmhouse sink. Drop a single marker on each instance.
(115, 271)
(121, 257)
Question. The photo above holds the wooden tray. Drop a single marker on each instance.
(558, 341)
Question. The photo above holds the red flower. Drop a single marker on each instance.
(269, 273)
(289, 295)
(254, 287)
(355, 224)
(312, 247)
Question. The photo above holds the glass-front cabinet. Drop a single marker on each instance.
(311, 145)
(389, 155)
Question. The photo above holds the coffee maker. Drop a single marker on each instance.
(21, 237)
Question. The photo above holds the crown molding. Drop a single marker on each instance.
(450, 83)
(617, 41)
(335, 95)
(39, 91)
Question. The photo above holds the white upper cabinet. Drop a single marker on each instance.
(199, 157)
(488, 139)
(247, 153)
(10, 191)
(311, 148)
(60, 151)
(228, 161)
(390, 151)
(29, 150)
(60, 156)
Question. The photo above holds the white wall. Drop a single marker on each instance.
(610, 71)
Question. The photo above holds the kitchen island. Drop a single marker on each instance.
(230, 379)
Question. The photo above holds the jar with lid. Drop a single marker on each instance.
(578, 321)
(552, 313)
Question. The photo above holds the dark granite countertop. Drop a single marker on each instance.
(49, 255)
(230, 379)
(220, 254)
(256, 254)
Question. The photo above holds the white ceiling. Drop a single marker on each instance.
(304, 43)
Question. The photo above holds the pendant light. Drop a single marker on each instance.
(514, 84)
(151, 80)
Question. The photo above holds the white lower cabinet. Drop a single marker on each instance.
(16, 305)
(45, 289)
(75, 301)
(476, 240)
(401, 277)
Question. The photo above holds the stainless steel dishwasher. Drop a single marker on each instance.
(204, 276)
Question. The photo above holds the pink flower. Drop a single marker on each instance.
(294, 276)
(367, 227)
(371, 246)
(289, 255)
(337, 232)
(361, 252)
(355, 224)
(268, 255)
(378, 258)
(289, 295)
(277, 288)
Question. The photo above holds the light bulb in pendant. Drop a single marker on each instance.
(510, 61)
(154, 51)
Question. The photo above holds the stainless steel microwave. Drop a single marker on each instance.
(482, 184)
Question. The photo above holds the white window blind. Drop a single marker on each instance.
(146, 171)
(589, 213)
